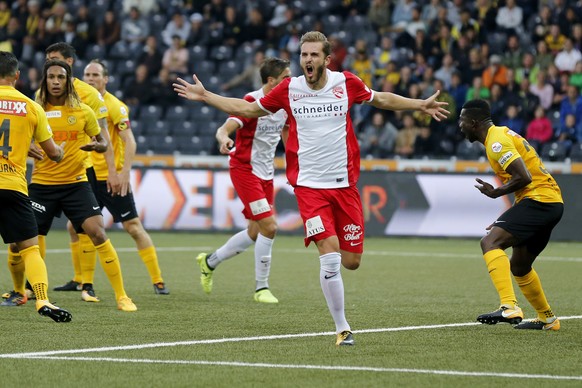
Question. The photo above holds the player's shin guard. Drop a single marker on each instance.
(332, 286)
(16, 268)
(500, 273)
(87, 259)
(150, 259)
(42, 246)
(531, 287)
(35, 270)
(75, 247)
(110, 263)
(263, 250)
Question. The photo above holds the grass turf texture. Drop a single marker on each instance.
(402, 283)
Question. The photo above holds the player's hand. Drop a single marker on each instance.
(94, 146)
(435, 108)
(113, 184)
(485, 188)
(35, 152)
(225, 146)
(125, 187)
(194, 92)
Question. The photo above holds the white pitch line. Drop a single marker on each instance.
(367, 253)
(317, 367)
(239, 339)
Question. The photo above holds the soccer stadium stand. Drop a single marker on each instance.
(404, 43)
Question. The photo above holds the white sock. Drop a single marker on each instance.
(263, 248)
(235, 245)
(332, 286)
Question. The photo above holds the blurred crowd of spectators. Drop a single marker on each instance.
(524, 56)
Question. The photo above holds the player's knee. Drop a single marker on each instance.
(98, 236)
(351, 261)
(269, 229)
(133, 227)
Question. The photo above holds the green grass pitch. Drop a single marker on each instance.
(412, 305)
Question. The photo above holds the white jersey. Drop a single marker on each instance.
(322, 150)
(257, 139)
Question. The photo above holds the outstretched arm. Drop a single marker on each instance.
(430, 106)
(232, 106)
(223, 133)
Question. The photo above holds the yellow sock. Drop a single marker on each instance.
(110, 263)
(42, 246)
(87, 259)
(35, 269)
(500, 272)
(16, 268)
(75, 258)
(531, 287)
(150, 259)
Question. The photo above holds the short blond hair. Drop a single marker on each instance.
(316, 36)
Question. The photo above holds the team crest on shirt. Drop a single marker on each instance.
(496, 147)
(338, 91)
(71, 120)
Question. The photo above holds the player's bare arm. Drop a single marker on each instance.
(225, 143)
(113, 184)
(430, 106)
(130, 148)
(520, 178)
(52, 150)
(232, 106)
(35, 152)
(98, 144)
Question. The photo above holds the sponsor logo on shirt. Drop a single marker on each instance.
(53, 114)
(319, 110)
(298, 96)
(496, 147)
(503, 159)
(11, 107)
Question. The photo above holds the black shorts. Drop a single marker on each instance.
(17, 222)
(121, 208)
(76, 200)
(531, 222)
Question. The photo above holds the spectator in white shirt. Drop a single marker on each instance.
(567, 58)
(510, 17)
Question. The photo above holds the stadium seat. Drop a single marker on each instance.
(202, 113)
(150, 113)
(228, 69)
(553, 151)
(160, 127)
(469, 151)
(197, 53)
(221, 53)
(184, 128)
(332, 23)
(94, 51)
(177, 113)
(576, 152)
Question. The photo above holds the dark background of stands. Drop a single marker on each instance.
(224, 47)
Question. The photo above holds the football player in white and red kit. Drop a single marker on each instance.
(252, 171)
(323, 156)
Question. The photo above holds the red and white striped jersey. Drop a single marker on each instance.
(322, 150)
(257, 139)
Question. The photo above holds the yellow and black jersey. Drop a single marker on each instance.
(117, 121)
(91, 96)
(72, 126)
(21, 121)
(504, 146)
